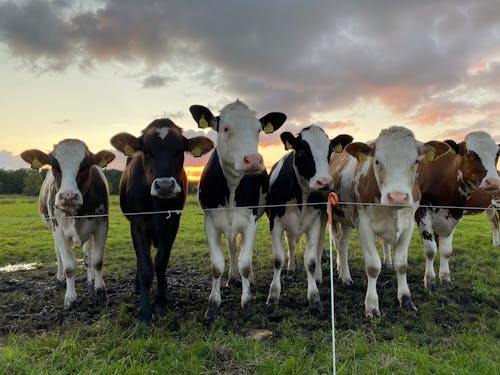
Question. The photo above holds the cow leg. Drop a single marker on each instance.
(401, 266)
(373, 266)
(142, 246)
(278, 261)
(291, 244)
(311, 263)
(319, 251)
(445, 250)
(341, 236)
(424, 222)
(387, 255)
(97, 260)
(60, 277)
(217, 266)
(161, 262)
(87, 252)
(69, 266)
(232, 246)
(245, 260)
(493, 218)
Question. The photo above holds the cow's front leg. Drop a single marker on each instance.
(97, 261)
(217, 266)
(321, 247)
(68, 263)
(245, 260)
(445, 251)
(424, 222)
(401, 266)
(341, 236)
(311, 263)
(493, 215)
(232, 246)
(278, 261)
(373, 265)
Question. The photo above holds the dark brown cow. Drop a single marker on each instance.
(74, 188)
(154, 181)
(489, 202)
(449, 181)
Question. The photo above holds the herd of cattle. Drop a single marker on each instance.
(383, 186)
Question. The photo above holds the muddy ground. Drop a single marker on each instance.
(30, 302)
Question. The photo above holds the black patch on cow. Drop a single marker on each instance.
(426, 236)
(214, 191)
(304, 160)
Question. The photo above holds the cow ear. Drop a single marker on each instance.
(203, 117)
(198, 146)
(272, 121)
(103, 158)
(453, 146)
(338, 143)
(126, 143)
(35, 158)
(359, 150)
(288, 140)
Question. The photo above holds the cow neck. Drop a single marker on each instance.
(367, 185)
(233, 178)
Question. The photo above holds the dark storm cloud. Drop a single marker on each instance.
(153, 82)
(292, 56)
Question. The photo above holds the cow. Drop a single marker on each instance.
(378, 194)
(298, 190)
(449, 181)
(489, 202)
(74, 203)
(153, 191)
(232, 192)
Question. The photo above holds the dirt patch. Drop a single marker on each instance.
(31, 303)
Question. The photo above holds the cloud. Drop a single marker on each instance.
(11, 162)
(291, 56)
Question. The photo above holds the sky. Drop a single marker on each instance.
(91, 69)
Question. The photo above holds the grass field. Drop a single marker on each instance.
(454, 331)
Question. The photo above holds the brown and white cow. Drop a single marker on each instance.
(487, 201)
(449, 181)
(74, 202)
(232, 190)
(376, 185)
(153, 191)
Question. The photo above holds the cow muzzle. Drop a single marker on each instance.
(397, 198)
(490, 183)
(324, 183)
(252, 163)
(165, 187)
(69, 200)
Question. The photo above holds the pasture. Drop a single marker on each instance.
(454, 331)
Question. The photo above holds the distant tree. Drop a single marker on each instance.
(11, 182)
(32, 183)
(113, 176)
(193, 187)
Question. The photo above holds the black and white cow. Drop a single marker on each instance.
(298, 181)
(74, 202)
(233, 183)
(154, 181)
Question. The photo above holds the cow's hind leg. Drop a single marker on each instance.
(232, 246)
(493, 216)
(445, 250)
(291, 243)
(341, 236)
(424, 222)
(245, 263)
(87, 254)
(311, 264)
(97, 260)
(401, 266)
(278, 261)
(217, 267)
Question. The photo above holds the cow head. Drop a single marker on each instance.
(312, 150)
(395, 156)
(238, 134)
(70, 161)
(161, 148)
(478, 159)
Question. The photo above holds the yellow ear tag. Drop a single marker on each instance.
(362, 157)
(338, 148)
(202, 124)
(269, 128)
(452, 151)
(36, 164)
(430, 155)
(128, 150)
(196, 151)
(288, 146)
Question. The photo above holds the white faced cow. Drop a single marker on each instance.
(154, 181)
(74, 188)
(298, 192)
(381, 180)
(489, 202)
(233, 183)
(449, 181)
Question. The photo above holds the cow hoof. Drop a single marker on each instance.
(407, 303)
(272, 300)
(316, 308)
(69, 305)
(447, 284)
(348, 282)
(211, 313)
(431, 285)
(60, 284)
(233, 282)
(372, 314)
(100, 297)
(248, 311)
(144, 316)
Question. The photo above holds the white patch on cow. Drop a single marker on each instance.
(162, 132)
(276, 171)
(319, 144)
(486, 148)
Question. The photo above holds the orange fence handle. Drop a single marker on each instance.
(333, 199)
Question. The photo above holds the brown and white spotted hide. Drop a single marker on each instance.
(74, 202)
(449, 182)
(376, 185)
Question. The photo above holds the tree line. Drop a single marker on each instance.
(29, 181)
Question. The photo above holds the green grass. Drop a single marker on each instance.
(453, 332)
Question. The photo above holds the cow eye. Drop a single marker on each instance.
(416, 162)
(377, 162)
(226, 129)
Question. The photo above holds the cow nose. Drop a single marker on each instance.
(164, 185)
(253, 162)
(324, 183)
(68, 197)
(397, 198)
(491, 183)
